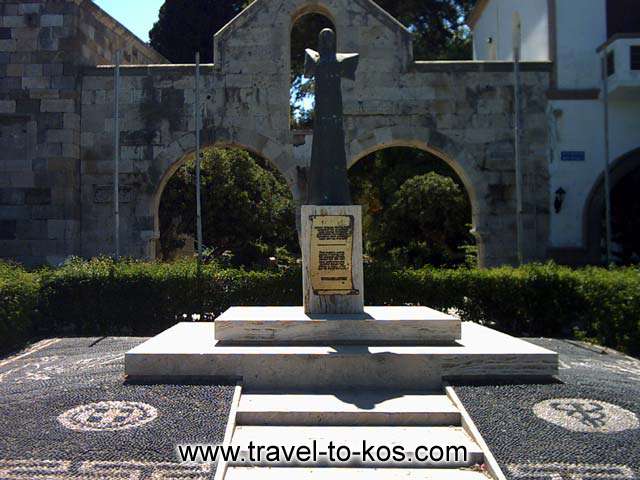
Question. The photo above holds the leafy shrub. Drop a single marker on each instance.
(18, 305)
(103, 297)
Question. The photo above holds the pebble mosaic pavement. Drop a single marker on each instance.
(66, 413)
(586, 426)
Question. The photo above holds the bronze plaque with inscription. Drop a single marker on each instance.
(331, 255)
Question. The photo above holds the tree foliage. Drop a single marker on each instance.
(185, 27)
(425, 223)
(438, 26)
(247, 209)
(415, 208)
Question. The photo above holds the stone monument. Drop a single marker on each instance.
(331, 233)
(283, 348)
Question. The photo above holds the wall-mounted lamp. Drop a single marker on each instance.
(560, 195)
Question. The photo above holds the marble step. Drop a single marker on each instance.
(188, 351)
(347, 408)
(267, 473)
(377, 325)
(462, 450)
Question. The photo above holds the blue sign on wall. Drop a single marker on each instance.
(573, 156)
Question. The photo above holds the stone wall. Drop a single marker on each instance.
(460, 111)
(43, 46)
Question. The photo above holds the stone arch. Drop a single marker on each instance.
(171, 158)
(437, 144)
(310, 8)
(594, 204)
(423, 139)
(297, 19)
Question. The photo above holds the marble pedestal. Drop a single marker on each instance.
(375, 326)
(321, 302)
(187, 352)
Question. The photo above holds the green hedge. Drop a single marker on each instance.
(101, 297)
(18, 306)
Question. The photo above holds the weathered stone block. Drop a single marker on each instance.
(11, 196)
(15, 70)
(8, 229)
(12, 21)
(7, 106)
(8, 45)
(71, 121)
(31, 229)
(49, 150)
(53, 69)
(56, 229)
(38, 196)
(27, 8)
(71, 150)
(35, 82)
(58, 105)
(63, 83)
(28, 106)
(52, 20)
(47, 40)
(60, 136)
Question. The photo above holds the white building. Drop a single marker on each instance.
(576, 35)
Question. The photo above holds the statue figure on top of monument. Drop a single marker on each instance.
(328, 182)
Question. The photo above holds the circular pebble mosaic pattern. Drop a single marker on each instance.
(108, 416)
(587, 416)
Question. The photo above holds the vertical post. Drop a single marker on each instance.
(607, 177)
(116, 156)
(517, 39)
(198, 195)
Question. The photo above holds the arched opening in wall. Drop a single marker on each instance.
(248, 213)
(304, 34)
(625, 214)
(416, 209)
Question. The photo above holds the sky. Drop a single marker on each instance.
(137, 15)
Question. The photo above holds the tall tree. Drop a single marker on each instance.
(187, 26)
(247, 208)
(438, 26)
(434, 230)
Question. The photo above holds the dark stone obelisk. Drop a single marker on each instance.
(328, 183)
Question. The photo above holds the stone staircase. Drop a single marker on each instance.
(347, 419)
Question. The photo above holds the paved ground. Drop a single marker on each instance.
(585, 427)
(66, 414)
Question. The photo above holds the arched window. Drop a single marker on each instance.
(304, 34)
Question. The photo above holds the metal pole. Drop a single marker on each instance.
(518, 159)
(607, 177)
(198, 196)
(116, 156)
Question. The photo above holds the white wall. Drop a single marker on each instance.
(574, 126)
(625, 127)
(579, 126)
(496, 22)
(579, 34)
